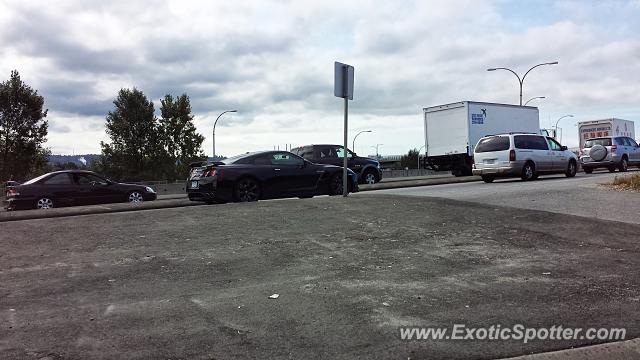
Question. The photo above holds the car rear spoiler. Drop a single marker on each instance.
(197, 164)
(9, 184)
(204, 163)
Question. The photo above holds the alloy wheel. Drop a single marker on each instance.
(370, 178)
(135, 197)
(44, 203)
(247, 190)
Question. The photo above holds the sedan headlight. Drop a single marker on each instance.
(148, 189)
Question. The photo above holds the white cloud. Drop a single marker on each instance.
(273, 61)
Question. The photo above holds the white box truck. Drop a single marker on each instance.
(605, 127)
(453, 130)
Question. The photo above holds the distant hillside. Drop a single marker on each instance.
(79, 160)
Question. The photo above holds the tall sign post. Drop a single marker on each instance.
(343, 88)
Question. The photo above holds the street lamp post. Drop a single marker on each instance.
(533, 98)
(421, 147)
(521, 80)
(376, 147)
(353, 145)
(214, 129)
(557, 121)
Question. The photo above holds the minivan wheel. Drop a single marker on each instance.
(624, 165)
(44, 203)
(488, 178)
(588, 170)
(528, 172)
(572, 168)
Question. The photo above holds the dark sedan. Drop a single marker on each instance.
(265, 175)
(73, 187)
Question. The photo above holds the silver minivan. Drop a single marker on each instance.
(522, 155)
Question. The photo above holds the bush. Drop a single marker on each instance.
(630, 182)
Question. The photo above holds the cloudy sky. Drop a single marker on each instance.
(273, 61)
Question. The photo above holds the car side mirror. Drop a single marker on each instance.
(563, 148)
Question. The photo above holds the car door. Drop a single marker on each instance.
(293, 175)
(559, 159)
(62, 188)
(634, 151)
(94, 189)
(534, 148)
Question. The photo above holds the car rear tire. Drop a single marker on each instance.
(488, 179)
(587, 170)
(247, 190)
(572, 169)
(44, 203)
(335, 185)
(369, 177)
(624, 165)
(528, 171)
(135, 197)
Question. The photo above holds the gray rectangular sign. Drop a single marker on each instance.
(343, 81)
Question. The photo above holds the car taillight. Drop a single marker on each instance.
(614, 148)
(12, 192)
(512, 155)
(210, 173)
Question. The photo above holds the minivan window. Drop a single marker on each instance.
(493, 143)
(603, 141)
(530, 142)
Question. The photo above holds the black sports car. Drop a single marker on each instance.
(265, 175)
(73, 187)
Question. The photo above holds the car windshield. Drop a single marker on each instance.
(493, 143)
(603, 141)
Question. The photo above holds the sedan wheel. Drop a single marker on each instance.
(335, 186)
(44, 203)
(247, 190)
(135, 197)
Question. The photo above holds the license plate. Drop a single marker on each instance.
(194, 184)
(490, 161)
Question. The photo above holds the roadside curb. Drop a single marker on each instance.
(91, 210)
(621, 350)
(181, 201)
(422, 182)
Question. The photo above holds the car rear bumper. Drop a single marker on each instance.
(206, 189)
(514, 168)
(610, 161)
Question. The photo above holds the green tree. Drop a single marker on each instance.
(135, 140)
(23, 130)
(182, 144)
(410, 160)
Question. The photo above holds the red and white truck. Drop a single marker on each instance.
(605, 127)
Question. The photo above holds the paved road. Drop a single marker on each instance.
(194, 282)
(583, 195)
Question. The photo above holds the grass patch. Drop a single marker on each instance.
(629, 182)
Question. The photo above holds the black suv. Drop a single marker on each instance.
(368, 170)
